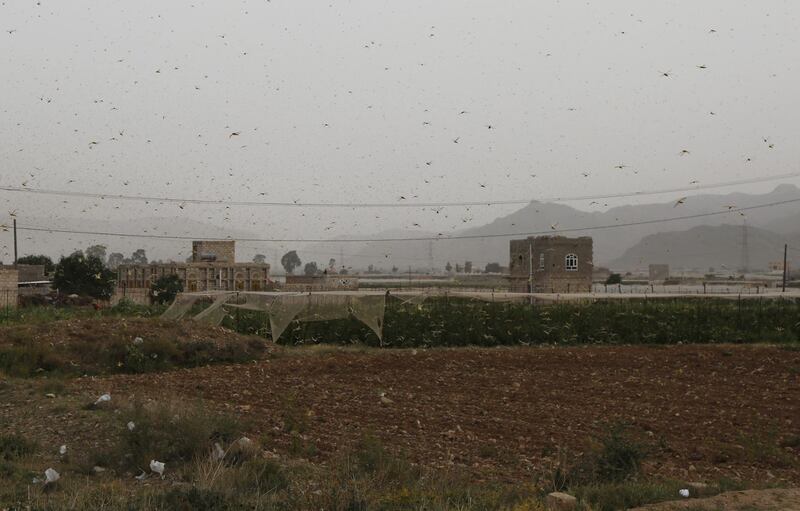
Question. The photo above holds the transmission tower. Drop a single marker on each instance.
(430, 255)
(745, 249)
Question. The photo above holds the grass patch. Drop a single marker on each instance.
(14, 447)
(173, 433)
(102, 346)
(614, 496)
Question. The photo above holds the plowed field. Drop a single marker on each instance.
(705, 412)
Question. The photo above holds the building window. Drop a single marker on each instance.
(541, 261)
(571, 262)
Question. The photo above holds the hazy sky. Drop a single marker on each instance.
(362, 101)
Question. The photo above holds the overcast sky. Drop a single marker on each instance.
(373, 100)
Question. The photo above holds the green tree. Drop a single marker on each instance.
(259, 259)
(43, 260)
(139, 257)
(98, 251)
(448, 267)
(114, 260)
(86, 276)
(614, 278)
(290, 261)
(311, 268)
(165, 288)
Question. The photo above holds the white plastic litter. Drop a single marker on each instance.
(105, 398)
(219, 452)
(142, 476)
(157, 467)
(138, 340)
(684, 493)
(131, 426)
(51, 476)
(62, 450)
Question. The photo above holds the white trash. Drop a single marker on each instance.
(157, 467)
(51, 476)
(138, 340)
(105, 398)
(131, 426)
(62, 450)
(219, 452)
(684, 493)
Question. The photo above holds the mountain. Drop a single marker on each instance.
(706, 247)
(609, 243)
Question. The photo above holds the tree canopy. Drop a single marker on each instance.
(85, 276)
(290, 261)
(311, 268)
(165, 288)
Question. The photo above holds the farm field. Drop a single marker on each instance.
(514, 420)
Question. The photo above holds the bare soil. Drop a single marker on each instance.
(751, 500)
(706, 412)
(501, 414)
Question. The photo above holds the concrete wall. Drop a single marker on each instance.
(8, 288)
(320, 283)
(214, 251)
(31, 272)
(140, 296)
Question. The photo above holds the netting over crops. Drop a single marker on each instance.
(368, 307)
(283, 308)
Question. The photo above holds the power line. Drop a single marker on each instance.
(429, 238)
(183, 201)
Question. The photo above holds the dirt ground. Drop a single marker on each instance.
(707, 411)
(761, 500)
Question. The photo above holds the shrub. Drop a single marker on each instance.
(170, 432)
(260, 476)
(618, 456)
(614, 496)
(195, 499)
(165, 288)
(14, 447)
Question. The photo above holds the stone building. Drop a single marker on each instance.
(9, 282)
(658, 273)
(213, 267)
(551, 264)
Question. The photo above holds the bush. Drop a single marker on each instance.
(166, 288)
(261, 476)
(614, 496)
(14, 447)
(195, 499)
(170, 432)
(618, 456)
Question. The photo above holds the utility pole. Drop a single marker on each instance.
(15, 242)
(785, 266)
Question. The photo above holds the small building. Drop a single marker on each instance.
(659, 273)
(9, 283)
(213, 267)
(33, 281)
(551, 264)
(322, 282)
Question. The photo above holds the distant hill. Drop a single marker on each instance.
(609, 244)
(705, 247)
